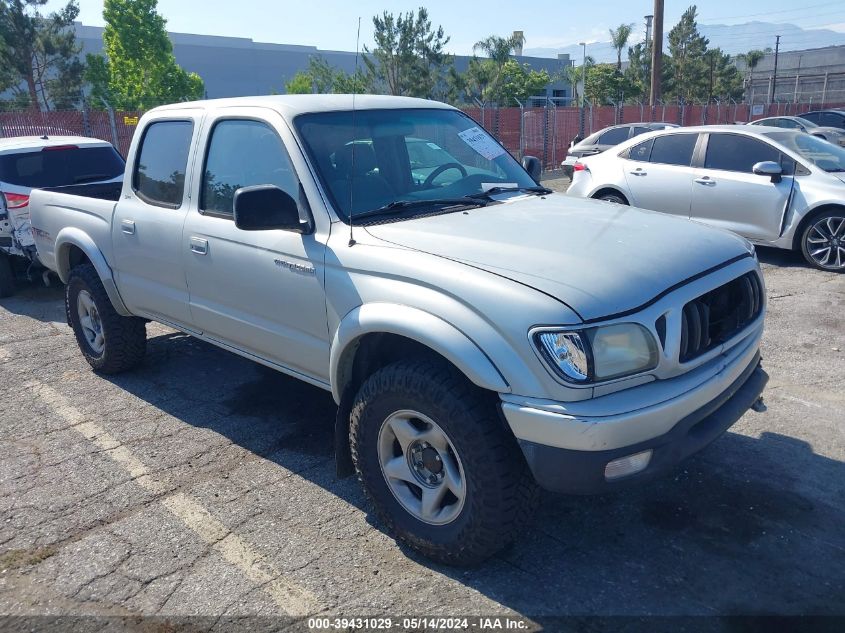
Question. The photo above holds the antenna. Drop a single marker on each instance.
(352, 162)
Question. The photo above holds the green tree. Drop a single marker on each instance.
(751, 59)
(300, 84)
(574, 75)
(498, 51)
(619, 38)
(139, 70)
(686, 50)
(603, 83)
(39, 57)
(519, 82)
(724, 79)
(408, 58)
(637, 74)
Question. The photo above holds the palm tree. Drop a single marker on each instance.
(499, 48)
(751, 59)
(574, 75)
(619, 38)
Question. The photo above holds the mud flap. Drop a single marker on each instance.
(342, 450)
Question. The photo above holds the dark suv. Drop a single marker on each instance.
(605, 139)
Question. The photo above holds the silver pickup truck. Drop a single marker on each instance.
(479, 333)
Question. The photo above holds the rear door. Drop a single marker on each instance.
(727, 194)
(259, 291)
(148, 221)
(658, 173)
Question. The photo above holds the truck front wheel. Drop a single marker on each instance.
(444, 474)
(111, 343)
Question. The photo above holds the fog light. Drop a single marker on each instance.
(625, 466)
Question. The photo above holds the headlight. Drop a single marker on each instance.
(599, 353)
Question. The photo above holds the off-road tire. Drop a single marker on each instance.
(7, 276)
(125, 337)
(501, 492)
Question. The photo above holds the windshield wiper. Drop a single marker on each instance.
(540, 191)
(401, 205)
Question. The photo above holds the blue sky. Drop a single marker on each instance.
(546, 23)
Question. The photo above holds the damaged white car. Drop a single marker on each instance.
(62, 163)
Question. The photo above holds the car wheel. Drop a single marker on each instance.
(7, 276)
(443, 472)
(823, 241)
(111, 343)
(613, 197)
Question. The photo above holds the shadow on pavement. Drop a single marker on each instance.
(748, 526)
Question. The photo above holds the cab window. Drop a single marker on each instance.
(159, 176)
(242, 153)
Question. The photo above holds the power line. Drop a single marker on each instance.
(799, 10)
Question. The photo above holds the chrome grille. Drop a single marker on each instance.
(715, 317)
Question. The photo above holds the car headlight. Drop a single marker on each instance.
(599, 353)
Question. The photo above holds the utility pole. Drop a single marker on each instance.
(656, 54)
(647, 51)
(583, 87)
(775, 71)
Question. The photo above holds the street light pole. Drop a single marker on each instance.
(583, 87)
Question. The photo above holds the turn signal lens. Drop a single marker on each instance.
(625, 466)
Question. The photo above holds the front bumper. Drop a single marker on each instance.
(583, 471)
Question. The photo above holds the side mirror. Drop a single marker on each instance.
(266, 207)
(768, 168)
(532, 165)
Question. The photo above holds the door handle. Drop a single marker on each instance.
(705, 180)
(128, 227)
(199, 246)
(639, 172)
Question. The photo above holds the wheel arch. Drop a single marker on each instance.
(604, 190)
(375, 334)
(807, 219)
(75, 247)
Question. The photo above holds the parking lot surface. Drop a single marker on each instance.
(202, 484)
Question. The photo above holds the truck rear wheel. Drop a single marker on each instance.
(111, 343)
(444, 474)
(7, 276)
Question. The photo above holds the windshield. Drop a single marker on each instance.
(61, 166)
(805, 122)
(822, 154)
(404, 155)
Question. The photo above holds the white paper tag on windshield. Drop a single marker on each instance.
(482, 142)
(487, 186)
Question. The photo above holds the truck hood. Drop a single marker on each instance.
(598, 258)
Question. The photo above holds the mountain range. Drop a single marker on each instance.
(732, 38)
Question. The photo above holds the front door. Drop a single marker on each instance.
(727, 194)
(260, 291)
(148, 222)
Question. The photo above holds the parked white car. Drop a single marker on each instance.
(775, 187)
(30, 162)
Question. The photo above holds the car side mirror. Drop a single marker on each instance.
(532, 165)
(769, 168)
(266, 207)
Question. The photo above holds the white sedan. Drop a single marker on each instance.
(775, 187)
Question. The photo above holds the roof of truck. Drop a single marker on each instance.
(292, 105)
(36, 142)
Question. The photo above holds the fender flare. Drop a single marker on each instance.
(71, 236)
(425, 328)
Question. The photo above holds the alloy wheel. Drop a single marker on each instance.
(825, 242)
(89, 319)
(421, 467)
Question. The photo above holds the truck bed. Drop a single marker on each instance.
(87, 208)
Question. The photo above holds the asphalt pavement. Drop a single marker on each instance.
(202, 484)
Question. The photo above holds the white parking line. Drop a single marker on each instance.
(291, 598)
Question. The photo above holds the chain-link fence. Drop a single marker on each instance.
(543, 131)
